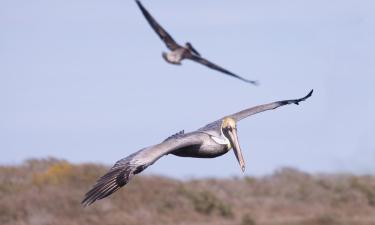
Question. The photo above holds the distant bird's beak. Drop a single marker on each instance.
(236, 148)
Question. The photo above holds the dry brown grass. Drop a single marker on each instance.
(49, 191)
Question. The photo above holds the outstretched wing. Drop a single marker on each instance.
(191, 48)
(124, 169)
(257, 109)
(211, 65)
(163, 34)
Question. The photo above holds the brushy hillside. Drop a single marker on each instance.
(43, 192)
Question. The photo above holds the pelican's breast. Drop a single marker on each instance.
(175, 56)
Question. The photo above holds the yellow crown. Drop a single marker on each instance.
(229, 122)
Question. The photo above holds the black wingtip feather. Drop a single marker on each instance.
(107, 185)
(304, 98)
(253, 82)
(140, 6)
(297, 101)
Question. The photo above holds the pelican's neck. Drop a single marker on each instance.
(222, 140)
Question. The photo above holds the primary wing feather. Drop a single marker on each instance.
(261, 108)
(123, 170)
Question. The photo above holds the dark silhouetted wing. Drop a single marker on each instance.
(211, 65)
(163, 34)
(257, 109)
(191, 48)
(124, 169)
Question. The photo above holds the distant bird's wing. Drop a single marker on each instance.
(163, 34)
(124, 169)
(257, 109)
(191, 48)
(211, 65)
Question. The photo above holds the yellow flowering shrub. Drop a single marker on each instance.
(55, 174)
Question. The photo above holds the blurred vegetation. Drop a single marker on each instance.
(247, 220)
(49, 191)
(206, 202)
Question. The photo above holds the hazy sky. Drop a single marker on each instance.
(84, 80)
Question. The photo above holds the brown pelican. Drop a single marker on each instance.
(179, 53)
(212, 140)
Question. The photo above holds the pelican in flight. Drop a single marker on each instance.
(212, 140)
(179, 53)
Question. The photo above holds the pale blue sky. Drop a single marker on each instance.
(84, 80)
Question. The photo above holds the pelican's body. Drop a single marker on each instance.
(178, 52)
(212, 140)
(176, 56)
(210, 147)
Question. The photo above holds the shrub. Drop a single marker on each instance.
(324, 220)
(365, 187)
(205, 202)
(247, 220)
(55, 174)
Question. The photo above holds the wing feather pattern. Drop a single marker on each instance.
(261, 108)
(123, 170)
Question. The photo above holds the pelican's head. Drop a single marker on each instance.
(229, 129)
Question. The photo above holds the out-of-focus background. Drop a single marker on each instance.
(84, 81)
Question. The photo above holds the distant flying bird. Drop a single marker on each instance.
(212, 140)
(179, 53)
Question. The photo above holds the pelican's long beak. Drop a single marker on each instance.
(236, 148)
